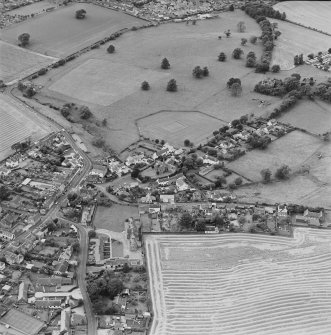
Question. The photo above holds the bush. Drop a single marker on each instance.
(42, 71)
(222, 57)
(111, 49)
(145, 86)
(165, 65)
(172, 85)
(187, 143)
(134, 28)
(275, 68)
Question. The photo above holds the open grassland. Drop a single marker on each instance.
(315, 14)
(107, 82)
(293, 149)
(314, 116)
(16, 62)
(175, 127)
(240, 284)
(37, 7)
(16, 125)
(112, 218)
(142, 51)
(296, 40)
(59, 33)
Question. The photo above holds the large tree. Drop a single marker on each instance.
(283, 172)
(186, 220)
(24, 39)
(237, 52)
(266, 175)
(165, 65)
(172, 85)
(222, 57)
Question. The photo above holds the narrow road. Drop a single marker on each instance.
(80, 175)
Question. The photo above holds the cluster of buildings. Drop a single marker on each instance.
(322, 61)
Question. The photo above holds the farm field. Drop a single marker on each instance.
(314, 116)
(142, 51)
(16, 62)
(36, 7)
(293, 149)
(240, 283)
(107, 82)
(175, 127)
(315, 14)
(295, 40)
(16, 127)
(59, 33)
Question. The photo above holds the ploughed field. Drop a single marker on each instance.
(16, 126)
(240, 283)
(315, 14)
(59, 33)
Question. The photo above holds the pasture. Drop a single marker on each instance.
(315, 14)
(240, 284)
(296, 40)
(16, 125)
(107, 82)
(314, 116)
(293, 149)
(59, 33)
(175, 127)
(141, 53)
(17, 63)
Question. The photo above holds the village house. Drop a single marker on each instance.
(6, 235)
(168, 198)
(48, 303)
(12, 258)
(61, 268)
(4, 171)
(99, 170)
(181, 184)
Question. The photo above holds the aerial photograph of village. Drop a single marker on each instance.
(165, 167)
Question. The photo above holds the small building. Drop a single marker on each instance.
(65, 321)
(23, 292)
(99, 170)
(6, 235)
(301, 221)
(61, 268)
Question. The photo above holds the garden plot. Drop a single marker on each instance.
(292, 149)
(315, 14)
(102, 82)
(175, 127)
(59, 33)
(240, 284)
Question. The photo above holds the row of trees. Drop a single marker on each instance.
(199, 72)
(281, 173)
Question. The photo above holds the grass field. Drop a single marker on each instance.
(315, 14)
(294, 150)
(175, 127)
(59, 33)
(142, 51)
(295, 40)
(107, 82)
(113, 218)
(36, 7)
(240, 284)
(16, 62)
(15, 126)
(314, 116)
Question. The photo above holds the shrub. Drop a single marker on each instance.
(222, 57)
(275, 68)
(172, 85)
(111, 49)
(165, 65)
(243, 41)
(145, 86)
(134, 28)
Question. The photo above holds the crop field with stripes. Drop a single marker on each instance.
(235, 284)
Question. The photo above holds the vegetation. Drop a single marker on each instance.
(243, 41)
(111, 49)
(222, 57)
(241, 27)
(236, 54)
(266, 175)
(145, 86)
(186, 220)
(165, 65)
(80, 14)
(85, 113)
(236, 89)
(283, 172)
(275, 68)
(24, 39)
(172, 85)
(298, 59)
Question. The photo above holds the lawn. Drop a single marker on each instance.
(17, 63)
(36, 7)
(175, 127)
(293, 149)
(240, 283)
(315, 14)
(16, 125)
(295, 40)
(314, 116)
(112, 218)
(59, 33)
